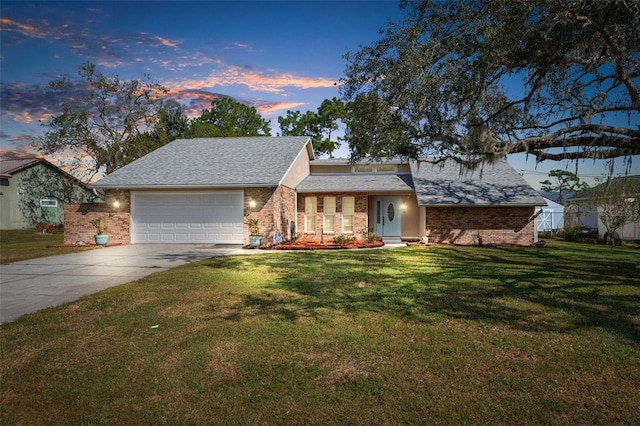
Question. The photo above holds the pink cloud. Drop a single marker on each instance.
(23, 117)
(272, 108)
(255, 80)
(28, 30)
(165, 42)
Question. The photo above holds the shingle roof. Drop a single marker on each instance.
(14, 161)
(356, 182)
(448, 183)
(588, 193)
(211, 162)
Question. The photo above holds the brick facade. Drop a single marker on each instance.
(274, 209)
(77, 217)
(481, 225)
(360, 218)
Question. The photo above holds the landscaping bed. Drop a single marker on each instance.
(304, 244)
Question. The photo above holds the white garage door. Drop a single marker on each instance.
(187, 217)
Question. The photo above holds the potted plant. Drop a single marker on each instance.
(255, 239)
(100, 236)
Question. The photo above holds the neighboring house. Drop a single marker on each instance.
(550, 217)
(581, 213)
(204, 190)
(34, 190)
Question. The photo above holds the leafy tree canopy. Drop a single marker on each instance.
(228, 118)
(565, 181)
(101, 118)
(478, 79)
(320, 126)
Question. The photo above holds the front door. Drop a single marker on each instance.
(388, 216)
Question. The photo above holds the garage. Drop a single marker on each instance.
(187, 217)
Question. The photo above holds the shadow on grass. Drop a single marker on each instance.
(553, 290)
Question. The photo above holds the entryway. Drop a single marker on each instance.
(388, 217)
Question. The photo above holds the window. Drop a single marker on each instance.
(329, 210)
(362, 169)
(348, 208)
(47, 202)
(310, 209)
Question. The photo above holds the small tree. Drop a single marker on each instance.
(617, 202)
(566, 181)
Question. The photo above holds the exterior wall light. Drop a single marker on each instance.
(252, 204)
(116, 204)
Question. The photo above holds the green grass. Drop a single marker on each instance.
(438, 335)
(25, 244)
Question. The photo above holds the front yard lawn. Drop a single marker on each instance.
(433, 335)
(25, 244)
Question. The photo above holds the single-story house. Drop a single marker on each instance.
(34, 190)
(204, 190)
(581, 213)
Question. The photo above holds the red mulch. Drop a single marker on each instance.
(314, 245)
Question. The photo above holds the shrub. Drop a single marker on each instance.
(254, 227)
(97, 224)
(369, 235)
(571, 234)
(342, 240)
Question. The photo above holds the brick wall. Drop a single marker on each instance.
(77, 217)
(481, 225)
(360, 219)
(274, 209)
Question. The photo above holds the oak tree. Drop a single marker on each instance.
(101, 116)
(478, 79)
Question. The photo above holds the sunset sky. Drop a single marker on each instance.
(274, 55)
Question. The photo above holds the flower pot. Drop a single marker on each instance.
(255, 240)
(101, 240)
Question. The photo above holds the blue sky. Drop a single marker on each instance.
(274, 55)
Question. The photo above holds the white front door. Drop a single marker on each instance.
(388, 216)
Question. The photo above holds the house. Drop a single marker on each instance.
(34, 190)
(204, 190)
(581, 212)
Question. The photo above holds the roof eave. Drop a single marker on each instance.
(478, 204)
(227, 186)
(368, 191)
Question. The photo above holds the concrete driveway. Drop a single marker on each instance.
(31, 285)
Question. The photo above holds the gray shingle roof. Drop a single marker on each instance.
(211, 162)
(356, 182)
(448, 184)
(588, 193)
(14, 161)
